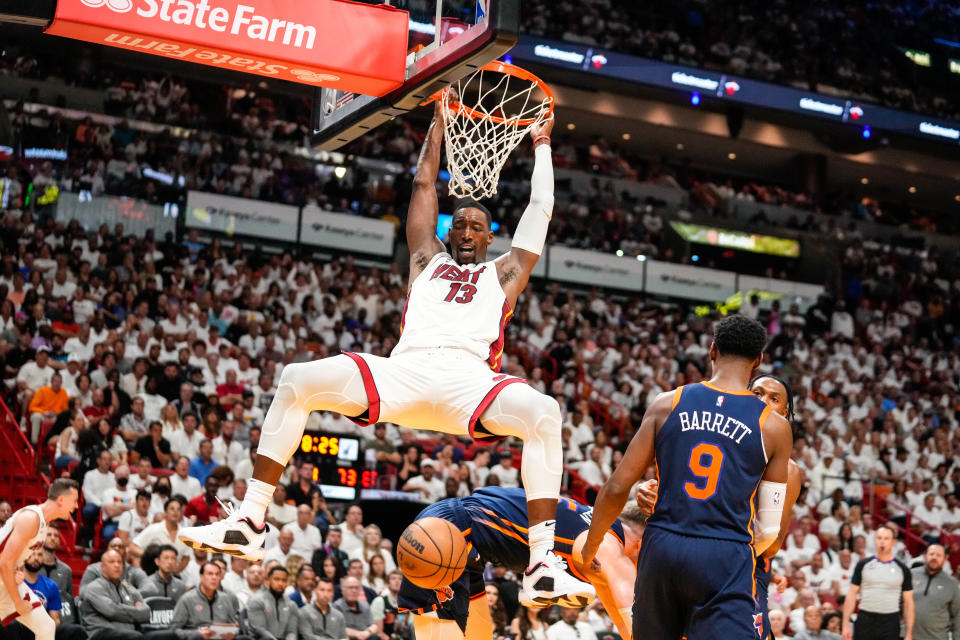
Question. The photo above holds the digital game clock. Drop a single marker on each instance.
(338, 464)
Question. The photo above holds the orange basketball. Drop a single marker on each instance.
(432, 553)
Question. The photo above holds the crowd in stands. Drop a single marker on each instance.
(853, 50)
(127, 356)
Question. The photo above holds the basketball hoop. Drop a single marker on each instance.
(507, 102)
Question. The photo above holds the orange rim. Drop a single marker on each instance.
(510, 70)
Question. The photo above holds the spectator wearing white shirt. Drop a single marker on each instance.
(306, 536)
(842, 572)
(81, 345)
(505, 472)
(570, 627)
(33, 375)
(830, 526)
(352, 531)
(818, 578)
(182, 483)
(116, 501)
(282, 550)
(593, 471)
(794, 552)
(236, 580)
(928, 519)
(279, 513)
(428, 483)
(186, 441)
(142, 478)
(133, 521)
(226, 450)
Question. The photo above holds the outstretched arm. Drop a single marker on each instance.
(422, 215)
(771, 494)
(515, 267)
(613, 495)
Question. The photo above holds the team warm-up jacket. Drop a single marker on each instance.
(276, 616)
(155, 586)
(317, 625)
(194, 610)
(112, 606)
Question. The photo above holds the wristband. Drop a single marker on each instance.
(539, 138)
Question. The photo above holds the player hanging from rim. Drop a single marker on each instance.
(20, 535)
(777, 395)
(443, 375)
(493, 522)
(717, 448)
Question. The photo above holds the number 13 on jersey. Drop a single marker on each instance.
(706, 462)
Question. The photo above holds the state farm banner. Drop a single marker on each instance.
(345, 232)
(332, 43)
(503, 244)
(689, 282)
(229, 215)
(594, 268)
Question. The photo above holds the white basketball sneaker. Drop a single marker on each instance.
(548, 583)
(233, 535)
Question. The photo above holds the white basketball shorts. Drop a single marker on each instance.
(443, 390)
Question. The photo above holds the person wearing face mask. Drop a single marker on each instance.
(116, 501)
(270, 612)
(49, 594)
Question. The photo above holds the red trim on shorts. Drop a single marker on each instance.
(13, 616)
(496, 349)
(370, 386)
(403, 316)
(487, 399)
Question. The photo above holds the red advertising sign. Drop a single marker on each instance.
(332, 43)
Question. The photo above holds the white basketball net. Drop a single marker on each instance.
(478, 140)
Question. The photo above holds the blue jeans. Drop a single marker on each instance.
(64, 461)
(109, 531)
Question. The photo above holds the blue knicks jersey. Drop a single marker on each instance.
(494, 521)
(710, 459)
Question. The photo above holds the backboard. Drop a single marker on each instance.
(448, 39)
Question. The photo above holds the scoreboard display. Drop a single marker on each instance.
(338, 464)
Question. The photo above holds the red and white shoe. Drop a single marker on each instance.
(233, 535)
(548, 583)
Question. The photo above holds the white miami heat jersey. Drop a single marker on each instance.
(34, 542)
(457, 307)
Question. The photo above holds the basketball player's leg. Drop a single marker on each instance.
(40, 622)
(331, 384)
(479, 624)
(520, 411)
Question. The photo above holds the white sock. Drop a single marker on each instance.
(255, 501)
(540, 536)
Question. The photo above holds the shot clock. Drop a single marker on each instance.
(338, 464)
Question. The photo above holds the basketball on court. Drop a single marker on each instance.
(432, 553)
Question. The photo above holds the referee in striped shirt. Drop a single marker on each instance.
(880, 581)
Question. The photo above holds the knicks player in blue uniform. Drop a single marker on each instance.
(776, 394)
(494, 523)
(717, 448)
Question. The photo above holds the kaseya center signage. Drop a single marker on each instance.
(343, 45)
